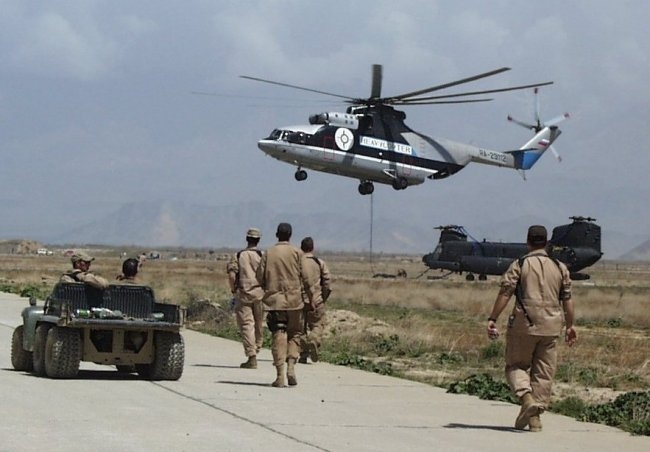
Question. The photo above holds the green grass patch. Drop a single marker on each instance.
(629, 411)
(483, 386)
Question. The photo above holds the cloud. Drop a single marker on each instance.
(52, 44)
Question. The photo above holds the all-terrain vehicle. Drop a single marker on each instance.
(122, 325)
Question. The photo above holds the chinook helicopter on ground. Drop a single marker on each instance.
(577, 244)
(371, 142)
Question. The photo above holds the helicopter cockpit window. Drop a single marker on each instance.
(297, 137)
(275, 135)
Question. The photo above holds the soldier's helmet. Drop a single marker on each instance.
(130, 267)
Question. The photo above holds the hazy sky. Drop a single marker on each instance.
(96, 104)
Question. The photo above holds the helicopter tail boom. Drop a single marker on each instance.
(526, 156)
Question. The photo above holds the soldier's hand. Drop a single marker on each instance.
(570, 337)
(492, 330)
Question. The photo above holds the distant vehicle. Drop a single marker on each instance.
(577, 244)
(44, 252)
(122, 326)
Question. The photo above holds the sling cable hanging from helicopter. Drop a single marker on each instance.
(372, 269)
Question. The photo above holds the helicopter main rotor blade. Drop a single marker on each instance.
(446, 85)
(487, 91)
(407, 102)
(296, 87)
(375, 90)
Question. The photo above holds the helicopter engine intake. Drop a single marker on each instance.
(335, 119)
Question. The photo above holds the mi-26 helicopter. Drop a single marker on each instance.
(370, 141)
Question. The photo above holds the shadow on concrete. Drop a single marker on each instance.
(244, 383)
(112, 374)
(498, 428)
(215, 366)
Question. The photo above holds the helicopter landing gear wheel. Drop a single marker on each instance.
(469, 277)
(400, 183)
(366, 188)
(482, 277)
(300, 175)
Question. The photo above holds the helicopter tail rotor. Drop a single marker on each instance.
(539, 125)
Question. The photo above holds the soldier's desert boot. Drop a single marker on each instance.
(279, 380)
(528, 408)
(250, 364)
(303, 358)
(313, 352)
(535, 423)
(291, 372)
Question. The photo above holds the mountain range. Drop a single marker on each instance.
(164, 223)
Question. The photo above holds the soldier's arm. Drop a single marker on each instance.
(326, 276)
(93, 280)
(305, 279)
(507, 288)
(261, 272)
(232, 269)
(571, 336)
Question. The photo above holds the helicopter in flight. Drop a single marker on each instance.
(577, 244)
(371, 142)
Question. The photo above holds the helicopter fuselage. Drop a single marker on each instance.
(374, 147)
(576, 244)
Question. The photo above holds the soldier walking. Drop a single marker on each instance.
(542, 287)
(317, 276)
(281, 274)
(247, 292)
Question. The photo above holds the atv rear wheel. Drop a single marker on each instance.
(21, 359)
(169, 358)
(38, 355)
(62, 352)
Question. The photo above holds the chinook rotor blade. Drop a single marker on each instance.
(445, 85)
(375, 91)
(487, 91)
(296, 87)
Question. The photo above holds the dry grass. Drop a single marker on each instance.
(432, 329)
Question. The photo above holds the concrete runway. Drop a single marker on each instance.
(216, 406)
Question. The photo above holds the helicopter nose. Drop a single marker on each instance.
(269, 147)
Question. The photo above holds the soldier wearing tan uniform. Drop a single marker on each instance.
(81, 272)
(281, 276)
(249, 310)
(317, 276)
(542, 287)
(129, 272)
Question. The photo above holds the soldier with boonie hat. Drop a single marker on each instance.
(247, 295)
(81, 256)
(81, 271)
